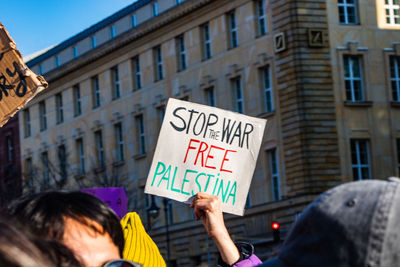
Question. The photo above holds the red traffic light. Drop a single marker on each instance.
(275, 226)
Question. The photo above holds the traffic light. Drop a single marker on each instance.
(275, 231)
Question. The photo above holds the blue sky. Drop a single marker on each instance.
(37, 24)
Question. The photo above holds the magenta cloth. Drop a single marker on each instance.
(253, 260)
(115, 197)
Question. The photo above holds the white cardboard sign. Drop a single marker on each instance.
(205, 149)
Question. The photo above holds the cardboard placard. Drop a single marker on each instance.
(18, 84)
(207, 149)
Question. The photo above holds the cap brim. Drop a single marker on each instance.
(274, 262)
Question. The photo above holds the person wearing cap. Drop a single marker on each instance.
(354, 224)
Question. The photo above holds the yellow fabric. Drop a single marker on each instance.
(139, 247)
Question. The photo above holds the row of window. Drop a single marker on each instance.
(112, 35)
(209, 97)
(180, 43)
(100, 159)
(348, 12)
(354, 78)
(353, 85)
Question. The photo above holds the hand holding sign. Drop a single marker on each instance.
(205, 149)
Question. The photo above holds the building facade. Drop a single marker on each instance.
(325, 74)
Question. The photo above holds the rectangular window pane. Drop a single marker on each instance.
(261, 17)
(81, 156)
(136, 74)
(27, 123)
(353, 78)
(238, 93)
(45, 169)
(77, 100)
(158, 63)
(206, 41)
(115, 83)
(210, 96)
(360, 159)
(94, 42)
(395, 77)
(59, 108)
(348, 12)
(140, 135)
(99, 149)
(119, 141)
(134, 21)
(181, 52)
(42, 116)
(62, 161)
(95, 92)
(267, 89)
(233, 34)
(155, 9)
(392, 11)
(10, 149)
(274, 172)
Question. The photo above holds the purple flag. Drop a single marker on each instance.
(115, 197)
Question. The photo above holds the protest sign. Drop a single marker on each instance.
(18, 84)
(115, 197)
(205, 149)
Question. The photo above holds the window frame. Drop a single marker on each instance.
(59, 108)
(268, 91)
(99, 149)
(346, 6)
(115, 83)
(154, 8)
(181, 52)
(395, 92)
(232, 30)
(273, 160)
(77, 100)
(119, 142)
(261, 17)
(27, 123)
(353, 79)
(42, 116)
(391, 16)
(140, 135)
(206, 41)
(358, 165)
(158, 63)
(136, 74)
(238, 100)
(44, 158)
(62, 162)
(96, 101)
(81, 155)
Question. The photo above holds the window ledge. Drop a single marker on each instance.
(99, 170)
(80, 176)
(118, 163)
(395, 104)
(266, 114)
(139, 156)
(205, 59)
(261, 35)
(358, 103)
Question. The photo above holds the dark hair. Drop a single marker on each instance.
(44, 213)
(59, 254)
(17, 249)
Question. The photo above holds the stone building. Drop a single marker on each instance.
(324, 73)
